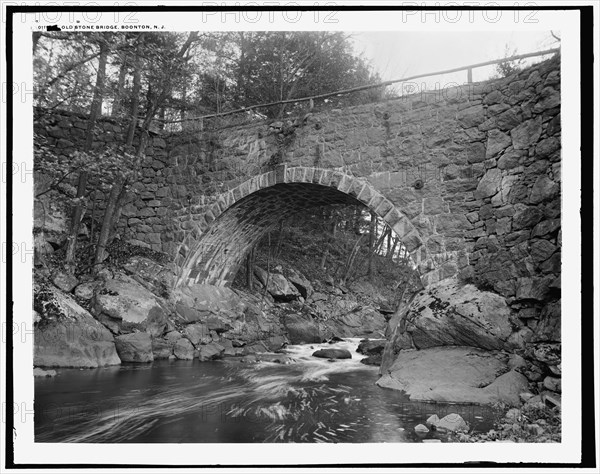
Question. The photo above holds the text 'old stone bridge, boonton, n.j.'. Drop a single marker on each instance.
(468, 177)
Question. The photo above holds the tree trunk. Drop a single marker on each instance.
(116, 200)
(117, 214)
(279, 239)
(351, 259)
(137, 84)
(36, 38)
(357, 216)
(95, 111)
(372, 237)
(241, 89)
(250, 269)
(96, 107)
(182, 108)
(111, 205)
(116, 109)
(391, 252)
(379, 244)
(330, 240)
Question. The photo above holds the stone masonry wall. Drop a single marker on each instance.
(476, 170)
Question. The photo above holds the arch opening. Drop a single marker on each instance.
(257, 206)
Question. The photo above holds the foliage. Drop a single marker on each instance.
(301, 243)
(104, 166)
(507, 68)
(186, 75)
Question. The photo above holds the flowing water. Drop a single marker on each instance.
(307, 400)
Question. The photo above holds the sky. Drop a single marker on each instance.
(396, 54)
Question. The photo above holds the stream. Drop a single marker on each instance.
(173, 401)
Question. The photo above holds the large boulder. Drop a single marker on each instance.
(277, 285)
(161, 278)
(219, 324)
(197, 333)
(126, 300)
(454, 374)
(161, 349)
(371, 347)
(301, 283)
(183, 349)
(211, 351)
(135, 347)
(302, 329)
(452, 422)
(156, 323)
(455, 314)
(256, 325)
(196, 303)
(333, 354)
(360, 322)
(67, 335)
(276, 342)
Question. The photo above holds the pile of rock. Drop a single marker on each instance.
(459, 330)
(534, 422)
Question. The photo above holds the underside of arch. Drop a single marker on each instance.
(220, 239)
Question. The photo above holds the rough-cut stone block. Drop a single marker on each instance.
(335, 179)
(544, 189)
(280, 174)
(527, 217)
(496, 143)
(476, 152)
(434, 205)
(289, 175)
(526, 134)
(317, 175)
(509, 160)
(383, 208)
(452, 225)
(471, 117)
(393, 216)
(366, 194)
(509, 119)
(549, 99)
(403, 227)
(356, 188)
(345, 184)
(533, 288)
(412, 241)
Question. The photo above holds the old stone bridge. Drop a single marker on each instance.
(468, 177)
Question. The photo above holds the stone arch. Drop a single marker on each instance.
(217, 242)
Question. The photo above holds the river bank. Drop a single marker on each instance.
(451, 346)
